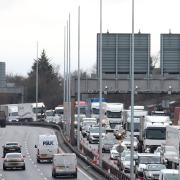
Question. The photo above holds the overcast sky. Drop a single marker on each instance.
(24, 22)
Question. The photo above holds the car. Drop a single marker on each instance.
(116, 151)
(143, 160)
(152, 171)
(126, 162)
(10, 147)
(127, 142)
(14, 160)
(49, 115)
(123, 155)
(93, 135)
(108, 142)
(86, 125)
(64, 164)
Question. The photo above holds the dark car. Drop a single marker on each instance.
(11, 147)
(108, 142)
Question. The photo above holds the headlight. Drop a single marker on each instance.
(147, 150)
(150, 175)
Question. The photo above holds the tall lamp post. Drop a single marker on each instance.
(100, 89)
(132, 98)
(78, 129)
(37, 82)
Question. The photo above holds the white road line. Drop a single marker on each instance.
(41, 174)
(0, 174)
(45, 178)
(38, 170)
(84, 173)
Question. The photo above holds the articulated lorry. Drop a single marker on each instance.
(139, 113)
(153, 132)
(3, 115)
(114, 114)
(170, 150)
(27, 112)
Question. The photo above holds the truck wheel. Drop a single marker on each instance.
(75, 175)
(24, 167)
(38, 161)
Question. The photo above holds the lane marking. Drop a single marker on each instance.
(86, 175)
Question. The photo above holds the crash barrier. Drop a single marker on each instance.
(109, 169)
(87, 156)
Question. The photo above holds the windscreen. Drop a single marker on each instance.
(149, 160)
(95, 111)
(14, 114)
(96, 130)
(113, 114)
(64, 159)
(156, 167)
(39, 110)
(50, 113)
(59, 111)
(12, 155)
(156, 133)
(136, 127)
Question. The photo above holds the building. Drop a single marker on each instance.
(170, 54)
(116, 53)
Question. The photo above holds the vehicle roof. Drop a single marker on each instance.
(158, 119)
(65, 154)
(14, 153)
(59, 107)
(148, 154)
(47, 135)
(11, 143)
(169, 171)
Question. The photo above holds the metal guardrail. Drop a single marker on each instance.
(108, 172)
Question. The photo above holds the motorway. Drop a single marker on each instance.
(27, 137)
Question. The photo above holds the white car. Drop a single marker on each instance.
(127, 142)
(14, 160)
(126, 162)
(114, 154)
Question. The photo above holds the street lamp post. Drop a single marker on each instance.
(100, 89)
(132, 98)
(78, 129)
(37, 82)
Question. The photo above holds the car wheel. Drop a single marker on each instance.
(24, 167)
(38, 161)
(4, 168)
(75, 175)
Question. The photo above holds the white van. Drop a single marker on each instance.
(64, 164)
(47, 147)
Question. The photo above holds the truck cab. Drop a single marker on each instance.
(154, 132)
